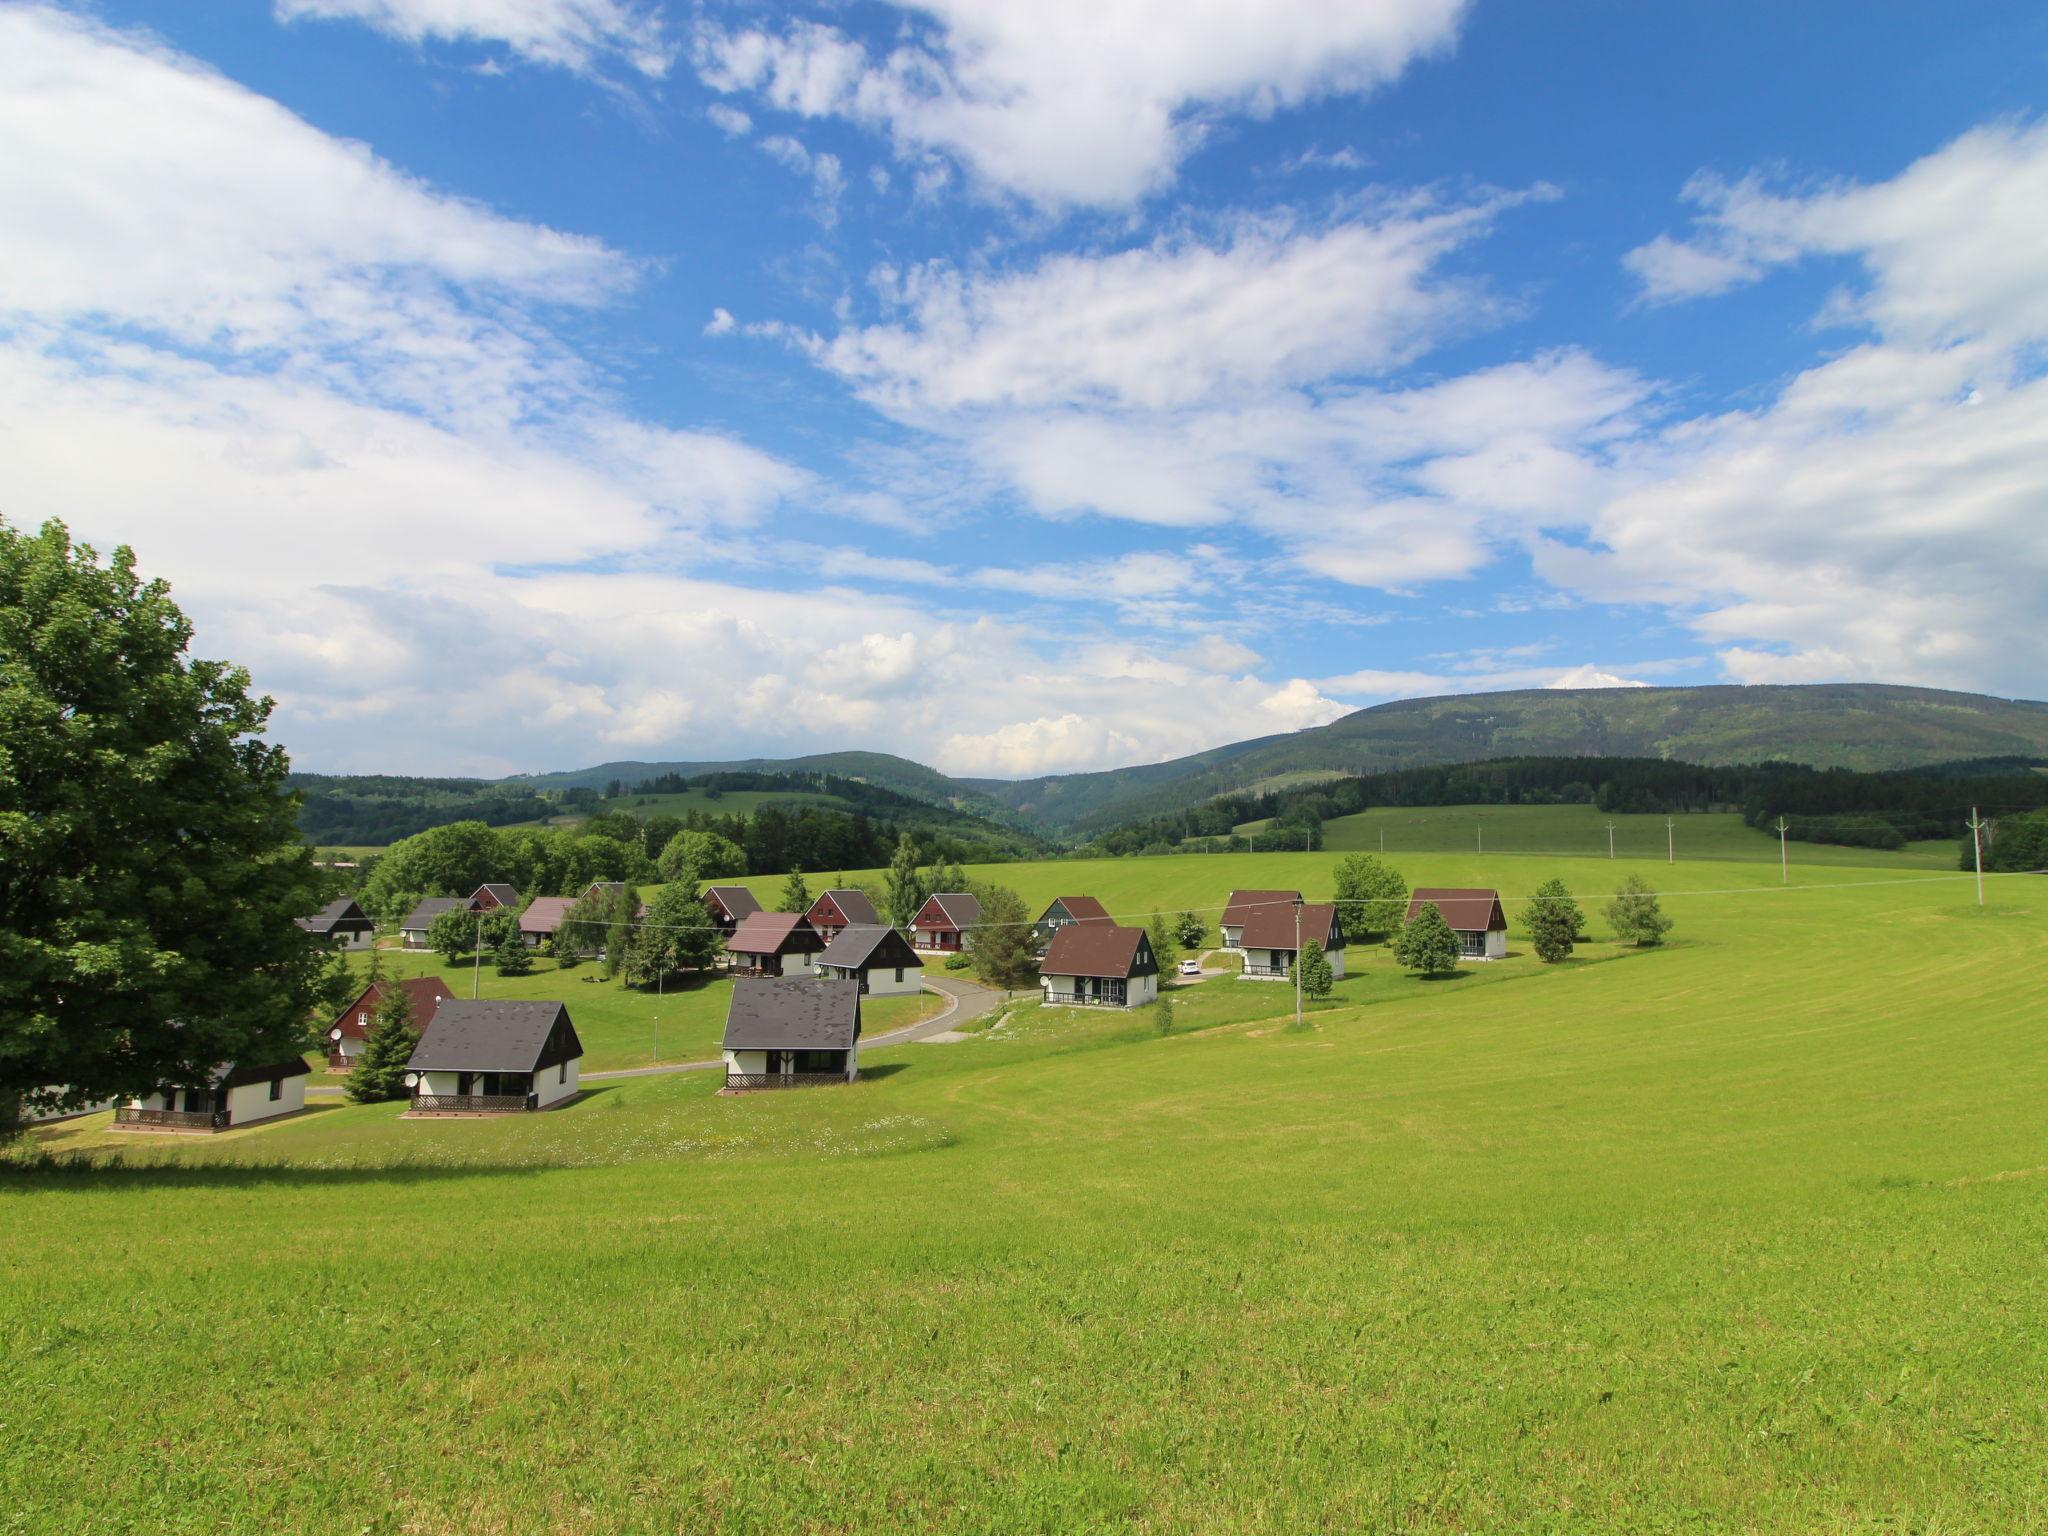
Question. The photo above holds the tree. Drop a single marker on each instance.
(701, 856)
(1164, 950)
(1427, 944)
(1162, 1014)
(676, 935)
(943, 875)
(1555, 921)
(150, 864)
(905, 889)
(441, 861)
(1635, 915)
(1191, 928)
(379, 1070)
(453, 933)
(511, 956)
(1371, 895)
(1317, 979)
(796, 896)
(999, 943)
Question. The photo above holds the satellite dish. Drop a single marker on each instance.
(412, 1079)
(334, 1034)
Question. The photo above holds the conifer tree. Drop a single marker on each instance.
(379, 1070)
(1317, 979)
(905, 891)
(999, 943)
(796, 895)
(512, 957)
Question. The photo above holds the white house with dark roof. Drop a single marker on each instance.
(1267, 938)
(1100, 965)
(774, 944)
(342, 923)
(730, 905)
(412, 933)
(1243, 906)
(494, 1057)
(1063, 910)
(942, 922)
(876, 956)
(234, 1095)
(840, 908)
(784, 1033)
(1475, 915)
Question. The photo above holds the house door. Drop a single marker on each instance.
(465, 1082)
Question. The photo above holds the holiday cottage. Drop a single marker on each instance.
(1065, 910)
(942, 922)
(351, 1027)
(876, 956)
(841, 908)
(1268, 938)
(230, 1096)
(542, 917)
(785, 1033)
(1245, 905)
(1475, 916)
(730, 905)
(493, 894)
(774, 944)
(492, 1057)
(1101, 965)
(412, 933)
(342, 923)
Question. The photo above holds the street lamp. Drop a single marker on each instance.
(1297, 959)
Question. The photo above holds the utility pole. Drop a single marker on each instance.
(1383, 839)
(1610, 839)
(1784, 859)
(1977, 843)
(1297, 959)
(1482, 836)
(1670, 842)
(660, 991)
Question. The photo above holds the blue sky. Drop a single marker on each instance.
(1027, 389)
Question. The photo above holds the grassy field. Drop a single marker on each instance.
(1742, 1234)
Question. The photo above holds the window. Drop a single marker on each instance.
(362, 1021)
(276, 1089)
(899, 973)
(562, 1073)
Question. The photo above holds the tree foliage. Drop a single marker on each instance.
(1555, 921)
(904, 890)
(1427, 943)
(1164, 950)
(1371, 895)
(796, 895)
(702, 856)
(1634, 914)
(676, 935)
(150, 866)
(1192, 929)
(379, 1070)
(999, 943)
(511, 956)
(452, 934)
(1317, 978)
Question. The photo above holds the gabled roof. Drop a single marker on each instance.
(1268, 927)
(426, 992)
(505, 895)
(424, 914)
(341, 913)
(544, 914)
(735, 900)
(604, 885)
(1093, 949)
(241, 1074)
(853, 903)
(773, 933)
(860, 944)
(960, 909)
(1243, 904)
(1469, 909)
(778, 1014)
(492, 1035)
(1080, 909)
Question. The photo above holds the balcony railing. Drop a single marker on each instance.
(1084, 1000)
(174, 1119)
(470, 1103)
(740, 1082)
(1280, 971)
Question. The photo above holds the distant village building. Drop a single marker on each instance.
(1065, 910)
(784, 1033)
(412, 933)
(1475, 916)
(1244, 905)
(342, 923)
(542, 918)
(351, 1027)
(493, 894)
(876, 956)
(491, 1057)
(942, 922)
(774, 944)
(729, 906)
(1100, 964)
(1267, 939)
(230, 1096)
(839, 909)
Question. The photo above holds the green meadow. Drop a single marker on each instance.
(1741, 1234)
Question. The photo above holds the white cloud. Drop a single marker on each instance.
(1073, 102)
(823, 171)
(721, 323)
(579, 35)
(1586, 675)
(729, 120)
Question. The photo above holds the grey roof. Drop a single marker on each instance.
(960, 908)
(737, 900)
(853, 903)
(507, 895)
(342, 912)
(490, 1035)
(241, 1074)
(424, 914)
(856, 945)
(780, 1014)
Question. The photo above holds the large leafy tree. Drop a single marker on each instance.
(676, 935)
(702, 856)
(1317, 979)
(150, 865)
(905, 885)
(1634, 912)
(999, 944)
(1427, 943)
(1371, 894)
(1555, 921)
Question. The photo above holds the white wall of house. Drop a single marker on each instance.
(1496, 944)
(889, 981)
(1233, 935)
(413, 938)
(552, 1084)
(1336, 959)
(252, 1101)
(356, 940)
(347, 1046)
(750, 1063)
(1143, 989)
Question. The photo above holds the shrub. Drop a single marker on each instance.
(1317, 979)
(1634, 912)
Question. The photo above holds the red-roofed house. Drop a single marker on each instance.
(543, 915)
(1267, 937)
(840, 909)
(1065, 910)
(1244, 905)
(774, 944)
(1475, 916)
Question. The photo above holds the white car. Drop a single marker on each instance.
(1191, 967)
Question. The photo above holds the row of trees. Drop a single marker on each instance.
(1427, 943)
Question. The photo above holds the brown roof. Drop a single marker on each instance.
(504, 895)
(735, 901)
(1273, 927)
(426, 993)
(957, 909)
(1244, 904)
(1467, 909)
(1082, 909)
(773, 933)
(850, 902)
(1097, 949)
(544, 914)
